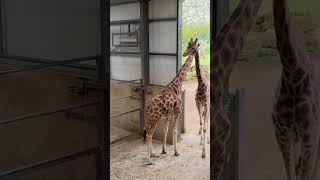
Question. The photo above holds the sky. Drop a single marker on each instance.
(196, 11)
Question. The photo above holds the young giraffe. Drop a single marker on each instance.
(202, 99)
(168, 103)
(296, 111)
(226, 49)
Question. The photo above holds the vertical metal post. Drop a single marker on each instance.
(219, 12)
(223, 7)
(179, 34)
(213, 33)
(142, 105)
(238, 133)
(102, 121)
(2, 42)
(182, 128)
(103, 108)
(144, 47)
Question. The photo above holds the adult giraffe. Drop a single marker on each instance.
(225, 50)
(168, 104)
(296, 110)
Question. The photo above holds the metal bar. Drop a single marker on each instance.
(137, 21)
(238, 131)
(144, 47)
(124, 113)
(213, 33)
(126, 97)
(126, 81)
(4, 29)
(138, 53)
(162, 54)
(34, 115)
(1, 29)
(179, 35)
(103, 109)
(163, 19)
(47, 163)
(142, 106)
(123, 3)
(121, 22)
(182, 123)
(223, 7)
(51, 64)
(102, 118)
(120, 53)
(39, 60)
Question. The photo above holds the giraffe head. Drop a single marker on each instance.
(192, 48)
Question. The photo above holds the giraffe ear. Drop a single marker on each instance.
(191, 40)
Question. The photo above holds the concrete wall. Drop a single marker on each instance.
(131, 122)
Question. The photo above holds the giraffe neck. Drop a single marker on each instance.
(293, 56)
(198, 69)
(176, 83)
(229, 43)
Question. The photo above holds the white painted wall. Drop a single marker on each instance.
(64, 29)
(162, 37)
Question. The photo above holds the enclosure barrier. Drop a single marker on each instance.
(142, 102)
(99, 151)
(234, 108)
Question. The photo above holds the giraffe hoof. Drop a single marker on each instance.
(176, 153)
(163, 152)
(154, 156)
(203, 156)
(150, 163)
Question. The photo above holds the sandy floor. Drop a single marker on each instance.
(128, 160)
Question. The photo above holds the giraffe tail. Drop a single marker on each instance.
(144, 136)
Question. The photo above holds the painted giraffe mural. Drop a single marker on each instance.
(296, 111)
(202, 99)
(168, 104)
(226, 48)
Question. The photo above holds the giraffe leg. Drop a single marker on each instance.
(222, 131)
(201, 125)
(176, 118)
(175, 140)
(285, 139)
(309, 153)
(204, 135)
(200, 118)
(165, 137)
(149, 140)
(207, 122)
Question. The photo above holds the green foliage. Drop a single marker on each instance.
(200, 31)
